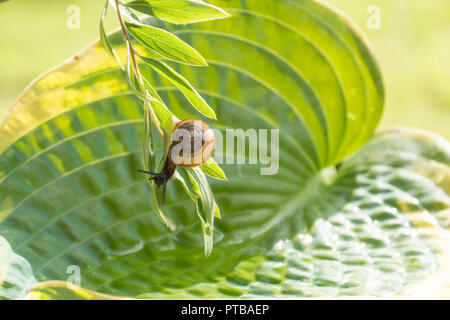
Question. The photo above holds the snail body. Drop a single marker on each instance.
(192, 145)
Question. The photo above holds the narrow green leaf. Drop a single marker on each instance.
(147, 142)
(132, 77)
(206, 194)
(197, 187)
(151, 90)
(154, 197)
(162, 113)
(212, 169)
(191, 189)
(207, 229)
(166, 44)
(181, 83)
(104, 38)
(178, 11)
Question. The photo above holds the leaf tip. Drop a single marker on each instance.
(210, 113)
(226, 14)
(217, 212)
(203, 62)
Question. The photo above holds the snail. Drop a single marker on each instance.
(192, 145)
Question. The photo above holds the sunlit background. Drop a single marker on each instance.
(412, 46)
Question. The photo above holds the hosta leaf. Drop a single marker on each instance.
(165, 44)
(16, 275)
(65, 291)
(178, 11)
(71, 194)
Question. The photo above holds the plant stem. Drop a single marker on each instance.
(135, 65)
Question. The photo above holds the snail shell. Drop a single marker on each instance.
(193, 143)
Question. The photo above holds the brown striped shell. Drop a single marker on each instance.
(193, 143)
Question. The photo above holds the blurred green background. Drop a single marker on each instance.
(412, 47)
